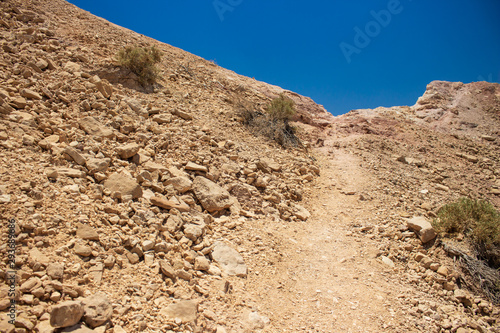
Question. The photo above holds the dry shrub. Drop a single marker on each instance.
(274, 124)
(479, 221)
(142, 62)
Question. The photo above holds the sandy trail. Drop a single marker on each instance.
(329, 279)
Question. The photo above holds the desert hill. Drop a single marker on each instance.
(156, 209)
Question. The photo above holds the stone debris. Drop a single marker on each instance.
(229, 259)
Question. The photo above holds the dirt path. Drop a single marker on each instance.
(330, 280)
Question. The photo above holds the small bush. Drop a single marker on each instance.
(142, 62)
(273, 124)
(281, 108)
(478, 220)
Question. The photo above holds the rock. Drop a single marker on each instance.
(95, 165)
(48, 141)
(256, 321)
(55, 270)
(66, 314)
(72, 67)
(84, 231)
(82, 250)
(444, 271)
(65, 172)
(4, 198)
(229, 259)
(43, 327)
(31, 284)
(18, 102)
(93, 127)
(163, 118)
(104, 88)
(301, 213)
(211, 196)
(23, 322)
(180, 184)
(75, 155)
(39, 257)
(133, 258)
(5, 326)
(462, 297)
(128, 150)
(182, 114)
(267, 165)
(193, 232)
(30, 94)
(201, 263)
(124, 185)
(97, 310)
(488, 138)
(422, 228)
(167, 204)
(195, 167)
(387, 261)
(167, 270)
(186, 311)
(78, 328)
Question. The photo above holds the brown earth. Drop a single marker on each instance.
(108, 183)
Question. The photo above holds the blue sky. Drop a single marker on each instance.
(343, 54)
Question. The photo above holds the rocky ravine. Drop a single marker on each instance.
(156, 210)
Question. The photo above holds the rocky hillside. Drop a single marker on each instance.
(156, 209)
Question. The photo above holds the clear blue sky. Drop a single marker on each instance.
(343, 54)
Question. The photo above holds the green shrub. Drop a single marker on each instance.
(273, 124)
(281, 108)
(142, 62)
(478, 220)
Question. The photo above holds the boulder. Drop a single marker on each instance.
(66, 314)
(229, 259)
(422, 228)
(97, 310)
(211, 196)
(124, 185)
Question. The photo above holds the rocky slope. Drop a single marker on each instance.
(156, 210)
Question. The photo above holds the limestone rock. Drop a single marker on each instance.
(93, 127)
(82, 250)
(95, 165)
(30, 94)
(168, 204)
(124, 185)
(186, 311)
(84, 231)
(128, 150)
(75, 155)
(301, 213)
(195, 167)
(201, 263)
(193, 232)
(104, 88)
(422, 228)
(97, 310)
(211, 196)
(66, 314)
(55, 270)
(180, 184)
(229, 259)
